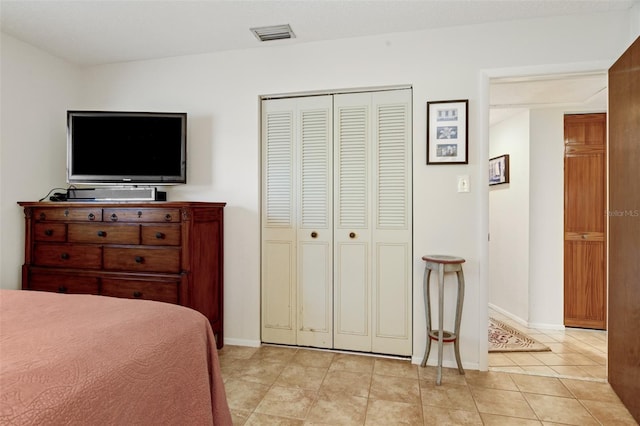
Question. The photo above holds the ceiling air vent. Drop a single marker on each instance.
(275, 32)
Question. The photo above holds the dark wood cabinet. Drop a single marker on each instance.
(164, 251)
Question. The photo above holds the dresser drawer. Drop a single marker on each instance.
(107, 233)
(54, 232)
(63, 283)
(68, 256)
(68, 214)
(137, 289)
(141, 215)
(142, 259)
(161, 235)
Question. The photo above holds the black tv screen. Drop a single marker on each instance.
(126, 147)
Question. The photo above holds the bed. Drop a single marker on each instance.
(97, 360)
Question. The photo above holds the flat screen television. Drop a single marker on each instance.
(117, 147)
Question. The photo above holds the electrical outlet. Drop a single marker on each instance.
(463, 183)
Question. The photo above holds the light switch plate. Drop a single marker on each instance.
(463, 183)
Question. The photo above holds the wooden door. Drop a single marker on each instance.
(624, 228)
(584, 221)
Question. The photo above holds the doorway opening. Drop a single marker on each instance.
(526, 271)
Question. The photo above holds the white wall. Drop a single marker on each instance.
(509, 220)
(220, 92)
(36, 90)
(635, 23)
(546, 269)
(546, 228)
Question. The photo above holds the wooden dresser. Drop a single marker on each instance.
(165, 251)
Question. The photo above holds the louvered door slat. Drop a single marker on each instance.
(278, 164)
(352, 168)
(314, 172)
(392, 166)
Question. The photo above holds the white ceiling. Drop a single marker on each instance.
(88, 32)
(508, 96)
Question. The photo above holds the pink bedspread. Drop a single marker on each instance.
(95, 360)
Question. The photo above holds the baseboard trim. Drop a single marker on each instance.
(541, 326)
(509, 314)
(242, 342)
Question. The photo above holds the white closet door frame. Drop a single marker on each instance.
(337, 263)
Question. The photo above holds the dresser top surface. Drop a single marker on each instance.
(147, 204)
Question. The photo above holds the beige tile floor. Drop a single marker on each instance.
(575, 353)
(274, 385)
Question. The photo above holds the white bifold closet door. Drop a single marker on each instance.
(297, 226)
(336, 221)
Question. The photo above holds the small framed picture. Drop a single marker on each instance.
(447, 123)
(499, 170)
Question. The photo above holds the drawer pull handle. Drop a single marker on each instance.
(139, 259)
(352, 234)
(139, 213)
(92, 216)
(314, 234)
(137, 294)
(159, 235)
(62, 289)
(114, 217)
(167, 217)
(48, 232)
(66, 213)
(43, 216)
(64, 256)
(102, 234)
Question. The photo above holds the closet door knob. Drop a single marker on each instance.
(314, 234)
(352, 234)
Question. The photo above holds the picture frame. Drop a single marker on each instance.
(499, 170)
(447, 132)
